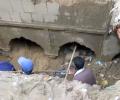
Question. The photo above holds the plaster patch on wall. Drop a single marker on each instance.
(67, 14)
(52, 12)
(46, 12)
(26, 11)
(5, 10)
(15, 17)
(28, 6)
(80, 40)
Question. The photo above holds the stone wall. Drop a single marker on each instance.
(53, 23)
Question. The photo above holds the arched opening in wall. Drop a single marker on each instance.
(106, 73)
(29, 49)
(22, 42)
(66, 51)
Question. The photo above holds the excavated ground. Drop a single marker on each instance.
(22, 87)
(16, 86)
(107, 73)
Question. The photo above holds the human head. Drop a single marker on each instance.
(117, 30)
(26, 65)
(78, 62)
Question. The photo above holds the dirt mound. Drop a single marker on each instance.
(107, 73)
(39, 86)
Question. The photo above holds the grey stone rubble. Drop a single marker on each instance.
(115, 12)
(16, 86)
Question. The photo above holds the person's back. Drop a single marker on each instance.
(26, 65)
(86, 76)
(81, 73)
(6, 66)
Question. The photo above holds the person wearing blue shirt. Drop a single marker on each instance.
(6, 66)
(26, 65)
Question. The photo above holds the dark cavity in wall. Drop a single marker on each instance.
(22, 42)
(82, 51)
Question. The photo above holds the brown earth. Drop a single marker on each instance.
(16, 86)
(106, 73)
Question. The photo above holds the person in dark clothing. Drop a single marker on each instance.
(6, 66)
(81, 73)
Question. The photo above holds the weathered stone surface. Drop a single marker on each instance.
(50, 41)
(79, 13)
(111, 46)
(54, 23)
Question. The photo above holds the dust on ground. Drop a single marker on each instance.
(107, 73)
(16, 86)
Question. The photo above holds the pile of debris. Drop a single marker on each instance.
(16, 86)
(115, 12)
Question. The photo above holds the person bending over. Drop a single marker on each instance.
(81, 73)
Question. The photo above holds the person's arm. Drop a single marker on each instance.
(117, 30)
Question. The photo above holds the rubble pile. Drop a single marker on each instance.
(16, 86)
(115, 12)
(110, 93)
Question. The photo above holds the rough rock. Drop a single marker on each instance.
(39, 86)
